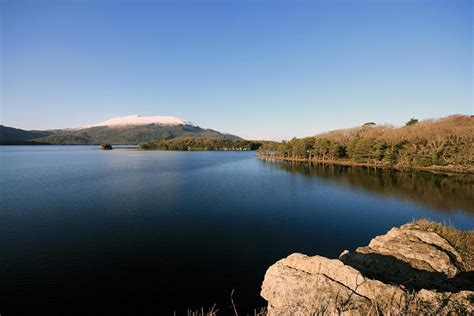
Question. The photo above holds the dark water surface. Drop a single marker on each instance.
(95, 232)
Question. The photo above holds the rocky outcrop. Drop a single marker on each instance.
(416, 259)
(407, 271)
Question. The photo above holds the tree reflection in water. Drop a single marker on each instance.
(438, 191)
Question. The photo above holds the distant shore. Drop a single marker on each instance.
(434, 169)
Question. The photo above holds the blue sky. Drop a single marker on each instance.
(258, 69)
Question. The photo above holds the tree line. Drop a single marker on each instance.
(446, 142)
(201, 144)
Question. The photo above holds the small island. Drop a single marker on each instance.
(106, 147)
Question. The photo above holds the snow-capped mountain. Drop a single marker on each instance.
(142, 120)
(132, 129)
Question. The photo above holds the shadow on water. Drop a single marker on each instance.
(438, 191)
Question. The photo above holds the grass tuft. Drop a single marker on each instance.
(462, 241)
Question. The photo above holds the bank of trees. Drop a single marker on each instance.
(195, 144)
(443, 142)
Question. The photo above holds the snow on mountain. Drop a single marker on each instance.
(142, 120)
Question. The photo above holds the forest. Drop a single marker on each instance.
(198, 144)
(445, 143)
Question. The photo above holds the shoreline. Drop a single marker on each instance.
(435, 170)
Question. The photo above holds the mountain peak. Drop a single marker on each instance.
(137, 119)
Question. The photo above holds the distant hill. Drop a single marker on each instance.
(123, 130)
(132, 134)
(10, 135)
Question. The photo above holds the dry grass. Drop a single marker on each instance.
(213, 311)
(459, 126)
(462, 241)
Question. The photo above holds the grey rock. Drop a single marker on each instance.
(372, 280)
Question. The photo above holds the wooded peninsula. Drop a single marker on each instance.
(444, 144)
(201, 144)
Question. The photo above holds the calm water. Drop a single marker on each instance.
(83, 230)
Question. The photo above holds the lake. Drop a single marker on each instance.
(152, 232)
